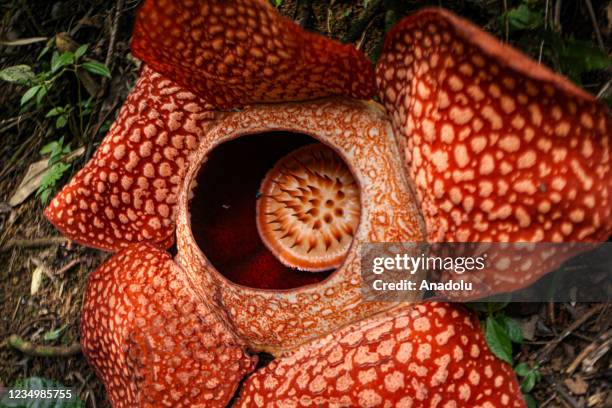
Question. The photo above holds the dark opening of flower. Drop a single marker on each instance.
(268, 218)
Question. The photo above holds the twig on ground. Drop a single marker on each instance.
(548, 400)
(113, 34)
(35, 350)
(591, 353)
(33, 243)
(551, 316)
(363, 35)
(604, 89)
(593, 17)
(85, 387)
(68, 266)
(96, 129)
(506, 22)
(543, 354)
(26, 145)
(601, 349)
(557, 16)
(356, 29)
(562, 393)
(110, 52)
(581, 356)
(16, 308)
(12, 122)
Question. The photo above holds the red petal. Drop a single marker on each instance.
(239, 52)
(417, 356)
(127, 192)
(151, 341)
(500, 147)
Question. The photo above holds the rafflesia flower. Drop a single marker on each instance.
(475, 142)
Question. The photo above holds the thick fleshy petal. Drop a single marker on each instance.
(500, 148)
(415, 356)
(233, 53)
(151, 341)
(127, 192)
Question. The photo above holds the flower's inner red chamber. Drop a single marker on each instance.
(223, 211)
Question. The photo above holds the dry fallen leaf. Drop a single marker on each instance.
(37, 278)
(528, 327)
(33, 177)
(557, 364)
(23, 41)
(576, 385)
(30, 182)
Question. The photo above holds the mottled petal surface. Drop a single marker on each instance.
(416, 356)
(237, 52)
(151, 342)
(127, 192)
(499, 147)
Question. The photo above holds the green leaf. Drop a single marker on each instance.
(45, 50)
(49, 148)
(80, 51)
(522, 369)
(523, 18)
(528, 382)
(530, 401)
(38, 383)
(278, 3)
(53, 334)
(30, 93)
(40, 95)
(44, 195)
(577, 57)
(50, 179)
(61, 121)
(54, 112)
(498, 340)
(61, 61)
(20, 74)
(513, 329)
(54, 148)
(97, 68)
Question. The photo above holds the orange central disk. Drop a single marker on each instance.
(309, 209)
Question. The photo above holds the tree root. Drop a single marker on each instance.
(35, 350)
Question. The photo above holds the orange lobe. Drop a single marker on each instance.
(151, 341)
(233, 53)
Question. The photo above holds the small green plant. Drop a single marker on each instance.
(39, 95)
(501, 332)
(570, 56)
(60, 64)
(70, 111)
(56, 168)
(530, 375)
(524, 18)
(52, 335)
